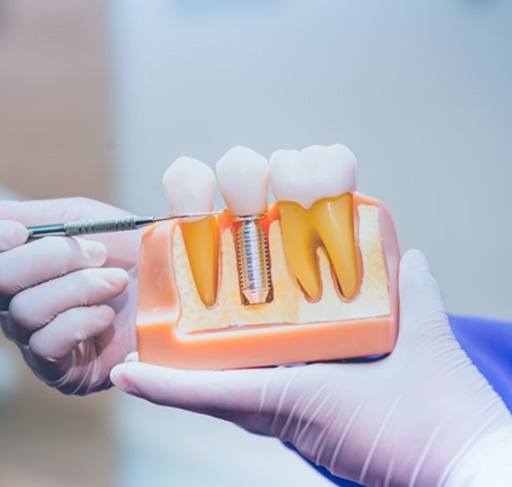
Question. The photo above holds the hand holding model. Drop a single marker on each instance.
(422, 416)
(68, 303)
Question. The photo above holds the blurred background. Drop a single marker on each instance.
(97, 98)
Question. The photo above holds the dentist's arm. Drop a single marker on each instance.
(422, 416)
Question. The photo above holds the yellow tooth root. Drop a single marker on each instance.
(334, 221)
(300, 242)
(201, 242)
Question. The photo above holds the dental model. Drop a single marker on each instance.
(313, 277)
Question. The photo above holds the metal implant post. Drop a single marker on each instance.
(253, 260)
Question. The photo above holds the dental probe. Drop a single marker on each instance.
(109, 225)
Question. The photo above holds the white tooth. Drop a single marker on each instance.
(312, 174)
(242, 175)
(189, 186)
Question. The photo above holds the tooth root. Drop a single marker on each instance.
(201, 243)
(300, 242)
(334, 222)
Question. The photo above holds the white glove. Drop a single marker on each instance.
(68, 303)
(422, 416)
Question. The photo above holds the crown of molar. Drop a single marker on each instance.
(242, 175)
(189, 186)
(312, 174)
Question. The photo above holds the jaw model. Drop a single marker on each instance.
(330, 254)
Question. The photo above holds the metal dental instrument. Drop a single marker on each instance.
(109, 225)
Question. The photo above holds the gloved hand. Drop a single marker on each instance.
(422, 416)
(68, 303)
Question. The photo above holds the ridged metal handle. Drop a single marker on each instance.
(90, 226)
(100, 226)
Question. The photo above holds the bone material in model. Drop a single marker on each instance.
(242, 175)
(313, 189)
(313, 173)
(189, 186)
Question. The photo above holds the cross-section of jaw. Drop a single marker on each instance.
(315, 278)
(313, 189)
(189, 186)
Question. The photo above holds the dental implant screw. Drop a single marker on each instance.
(253, 260)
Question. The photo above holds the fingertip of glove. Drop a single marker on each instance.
(117, 278)
(94, 252)
(118, 377)
(125, 376)
(417, 284)
(414, 257)
(105, 313)
(132, 357)
(12, 234)
(412, 265)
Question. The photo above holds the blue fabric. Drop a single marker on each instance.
(488, 344)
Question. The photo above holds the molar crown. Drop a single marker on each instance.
(313, 189)
(312, 174)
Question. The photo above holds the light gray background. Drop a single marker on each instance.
(420, 91)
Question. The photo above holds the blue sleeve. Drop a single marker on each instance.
(488, 344)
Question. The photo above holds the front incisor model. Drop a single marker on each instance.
(313, 189)
(189, 187)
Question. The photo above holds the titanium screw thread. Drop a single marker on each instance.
(253, 261)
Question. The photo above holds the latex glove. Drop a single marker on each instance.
(68, 303)
(422, 416)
